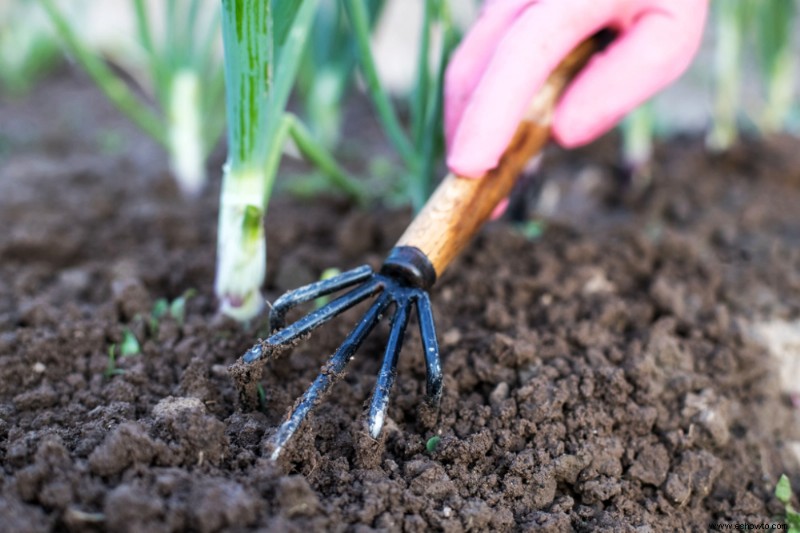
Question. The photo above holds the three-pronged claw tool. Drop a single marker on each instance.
(454, 213)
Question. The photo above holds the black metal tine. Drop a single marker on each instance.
(330, 372)
(427, 331)
(312, 291)
(380, 398)
(313, 320)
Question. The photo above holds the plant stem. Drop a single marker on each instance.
(323, 160)
(146, 41)
(186, 142)
(184, 76)
(359, 21)
(776, 20)
(728, 55)
(637, 142)
(421, 92)
(241, 245)
(432, 131)
(257, 130)
(113, 87)
(291, 51)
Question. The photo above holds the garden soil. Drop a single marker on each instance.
(601, 370)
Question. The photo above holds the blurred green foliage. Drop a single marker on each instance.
(766, 28)
(181, 70)
(338, 59)
(28, 48)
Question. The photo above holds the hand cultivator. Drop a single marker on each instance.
(454, 213)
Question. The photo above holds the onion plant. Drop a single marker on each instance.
(241, 251)
(730, 20)
(419, 146)
(638, 130)
(776, 20)
(325, 76)
(184, 111)
(263, 44)
(327, 68)
(27, 46)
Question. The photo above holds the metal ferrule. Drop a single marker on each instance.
(411, 265)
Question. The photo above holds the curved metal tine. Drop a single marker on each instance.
(380, 398)
(330, 372)
(317, 318)
(325, 313)
(312, 291)
(433, 364)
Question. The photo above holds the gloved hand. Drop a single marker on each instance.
(515, 44)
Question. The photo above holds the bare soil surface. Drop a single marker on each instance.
(598, 377)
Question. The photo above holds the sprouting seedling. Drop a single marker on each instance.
(160, 309)
(129, 345)
(432, 443)
(783, 491)
(182, 72)
(175, 309)
(532, 229)
(328, 273)
(111, 366)
(262, 396)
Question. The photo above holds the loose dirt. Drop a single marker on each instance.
(601, 376)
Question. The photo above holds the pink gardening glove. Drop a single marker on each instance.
(515, 44)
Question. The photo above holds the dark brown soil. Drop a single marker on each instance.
(598, 377)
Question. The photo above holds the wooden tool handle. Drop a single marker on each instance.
(460, 206)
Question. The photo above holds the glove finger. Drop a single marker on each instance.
(651, 54)
(523, 58)
(473, 54)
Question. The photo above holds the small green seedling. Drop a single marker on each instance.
(176, 309)
(160, 308)
(326, 274)
(432, 443)
(783, 491)
(532, 229)
(262, 396)
(111, 367)
(127, 348)
(129, 345)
